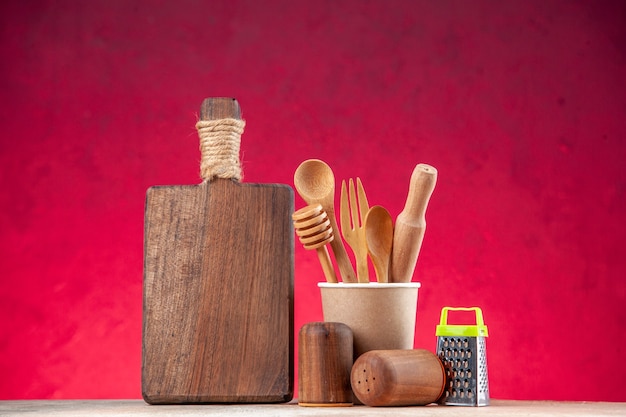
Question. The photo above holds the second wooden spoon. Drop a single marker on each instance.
(315, 182)
(379, 238)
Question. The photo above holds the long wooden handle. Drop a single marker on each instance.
(327, 266)
(341, 256)
(219, 130)
(411, 224)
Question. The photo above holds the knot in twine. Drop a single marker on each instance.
(219, 148)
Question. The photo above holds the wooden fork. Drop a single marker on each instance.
(354, 231)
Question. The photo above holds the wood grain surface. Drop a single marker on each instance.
(218, 290)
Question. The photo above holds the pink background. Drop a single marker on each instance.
(520, 105)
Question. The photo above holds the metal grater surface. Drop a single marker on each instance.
(465, 361)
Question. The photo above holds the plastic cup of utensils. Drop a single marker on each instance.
(380, 315)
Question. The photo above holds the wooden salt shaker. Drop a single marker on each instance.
(324, 363)
(398, 377)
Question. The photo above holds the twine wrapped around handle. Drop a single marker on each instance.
(220, 141)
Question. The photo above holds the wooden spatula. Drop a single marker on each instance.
(218, 287)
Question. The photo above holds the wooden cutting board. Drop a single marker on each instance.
(218, 289)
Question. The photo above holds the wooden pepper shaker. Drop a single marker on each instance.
(398, 377)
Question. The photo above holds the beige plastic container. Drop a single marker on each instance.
(381, 315)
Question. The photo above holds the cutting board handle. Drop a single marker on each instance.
(219, 129)
(214, 108)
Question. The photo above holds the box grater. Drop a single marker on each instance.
(463, 352)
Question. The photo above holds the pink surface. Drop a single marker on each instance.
(522, 108)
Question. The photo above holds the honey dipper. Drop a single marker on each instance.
(315, 232)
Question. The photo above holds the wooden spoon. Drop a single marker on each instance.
(315, 182)
(379, 238)
(314, 231)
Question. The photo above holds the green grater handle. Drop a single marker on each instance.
(444, 314)
(461, 330)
